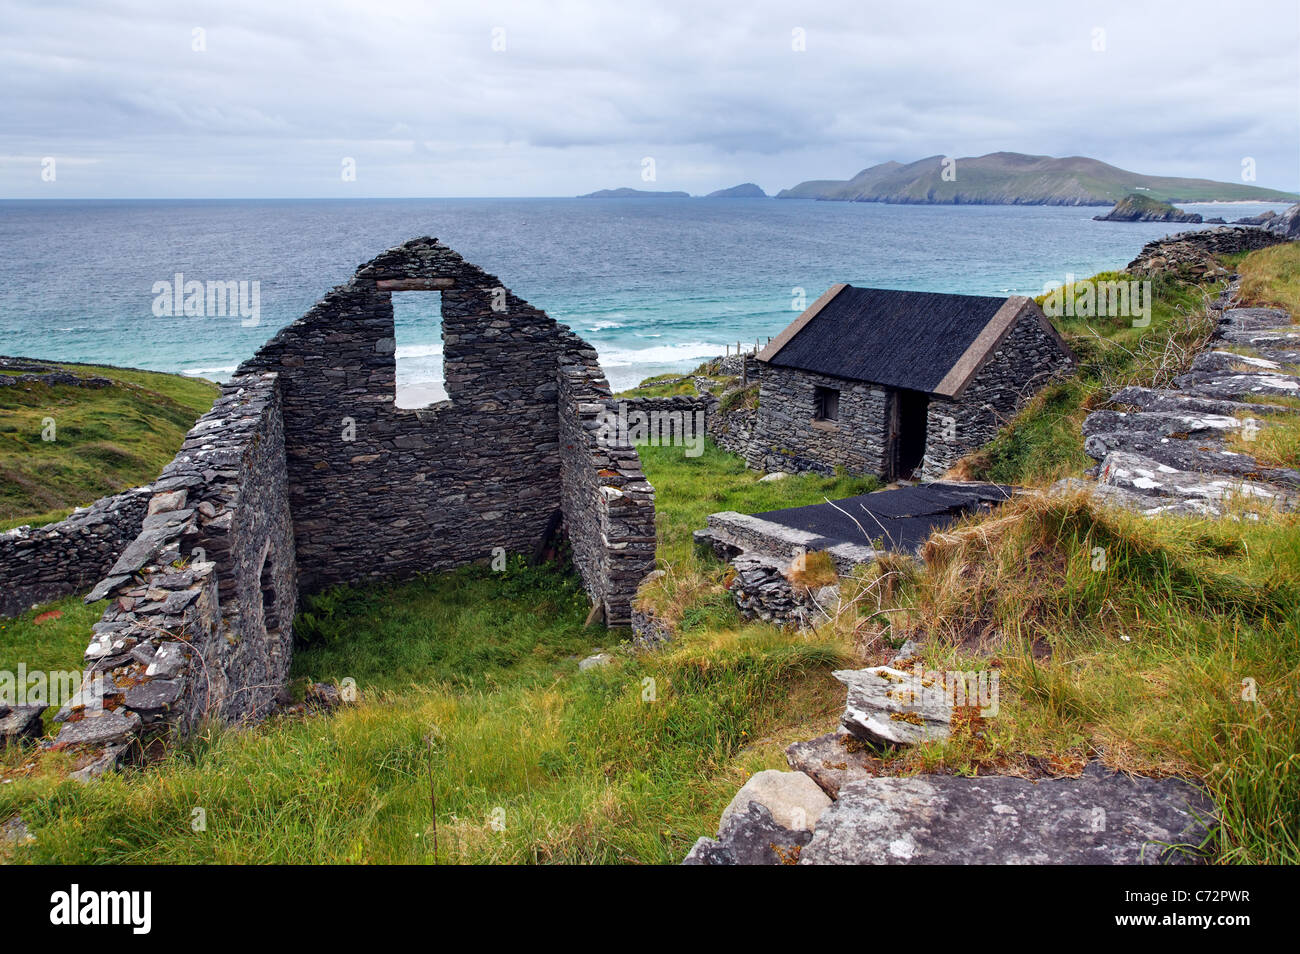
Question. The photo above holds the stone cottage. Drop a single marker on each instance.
(898, 383)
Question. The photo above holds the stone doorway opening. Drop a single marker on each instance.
(907, 426)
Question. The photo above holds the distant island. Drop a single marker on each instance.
(1012, 178)
(633, 194)
(1142, 208)
(746, 190)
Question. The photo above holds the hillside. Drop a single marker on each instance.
(478, 737)
(746, 190)
(1011, 178)
(113, 428)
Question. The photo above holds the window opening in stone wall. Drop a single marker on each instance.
(417, 329)
(826, 404)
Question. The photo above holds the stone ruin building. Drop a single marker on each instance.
(306, 474)
(898, 383)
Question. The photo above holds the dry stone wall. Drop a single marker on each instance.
(381, 492)
(39, 564)
(199, 622)
(608, 504)
(306, 474)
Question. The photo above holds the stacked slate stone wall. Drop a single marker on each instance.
(673, 420)
(1026, 359)
(39, 564)
(378, 491)
(787, 438)
(607, 502)
(202, 601)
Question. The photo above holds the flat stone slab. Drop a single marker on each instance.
(1101, 818)
(1178, 402)
(1251, 319)
(1143, 475)
(849, 529)
(108, 727)
(832, 760)
(1216, 384)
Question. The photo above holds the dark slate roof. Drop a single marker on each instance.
(901, 339)
(903, 519)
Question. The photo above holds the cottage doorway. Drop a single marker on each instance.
(907, 424)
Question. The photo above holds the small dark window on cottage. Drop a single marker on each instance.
(826, 404)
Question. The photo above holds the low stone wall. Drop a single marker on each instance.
(681, 420)
(1194, 252)
(200, 623)
(39, 564)
(607, 502)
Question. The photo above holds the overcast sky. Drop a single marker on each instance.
(263, 98)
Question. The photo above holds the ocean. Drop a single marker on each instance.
(656, 285)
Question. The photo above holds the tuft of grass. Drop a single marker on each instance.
(105, 440)
(1271, 276)
(813, 569)
(1274, 443)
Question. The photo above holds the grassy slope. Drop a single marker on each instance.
(1148, 659)
(107, 439)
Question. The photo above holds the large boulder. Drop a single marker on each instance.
(794, 800)
(1286, 225)
(1099, 818)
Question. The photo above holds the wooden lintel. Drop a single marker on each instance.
(414, 284)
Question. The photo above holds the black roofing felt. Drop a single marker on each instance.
(903, 339)
(903, 518)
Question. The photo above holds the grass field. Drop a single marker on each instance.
(104, 440)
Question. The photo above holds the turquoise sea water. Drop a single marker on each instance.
(655, 285)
